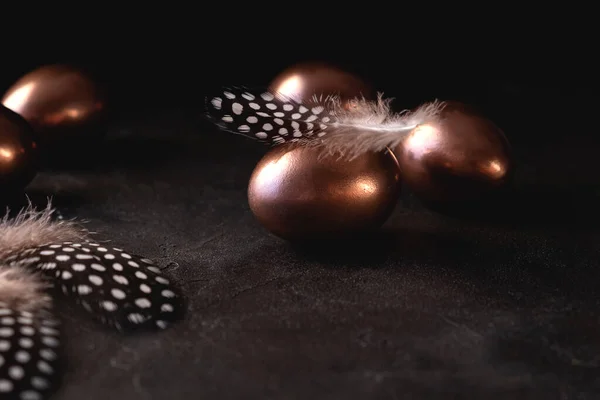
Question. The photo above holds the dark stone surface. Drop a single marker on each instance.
(435, 307)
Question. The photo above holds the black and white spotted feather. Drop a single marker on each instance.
(121, 289)
(118, 288)
(268, 117)
(29, 337)
(348, 129)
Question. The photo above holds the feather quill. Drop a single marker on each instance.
(348, 129)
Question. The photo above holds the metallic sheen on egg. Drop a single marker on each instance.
(56, 100)
(302, 81)
(462, 160)
(298, 193)
(18, 152)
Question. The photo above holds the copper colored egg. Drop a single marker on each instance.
(18, 152)
(297, 193)
(301, 82)
(57, 100)
(459, 162)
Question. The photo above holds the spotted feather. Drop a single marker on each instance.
(120, 289)
(28, 354)
(268, 117)
(348, 129)
(29, 336)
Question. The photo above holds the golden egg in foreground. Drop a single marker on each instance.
(297, 193)
(18, 153)
(56, 100)
(302, 81)
(462, 160)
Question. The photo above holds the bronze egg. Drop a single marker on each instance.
(56, 100)
(463, 160)
(298, 193)
(18, 153)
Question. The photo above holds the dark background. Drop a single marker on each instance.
(436, 308)
(153, 62)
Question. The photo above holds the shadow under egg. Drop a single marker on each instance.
(369, 248)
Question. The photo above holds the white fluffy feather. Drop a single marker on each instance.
(370, 126)
(21, 290)
(32, 228)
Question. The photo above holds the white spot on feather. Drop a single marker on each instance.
(216, 102)
(237, 108)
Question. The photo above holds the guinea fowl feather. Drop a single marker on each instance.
(346, 128)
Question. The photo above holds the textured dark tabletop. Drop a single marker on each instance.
(435, 307)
